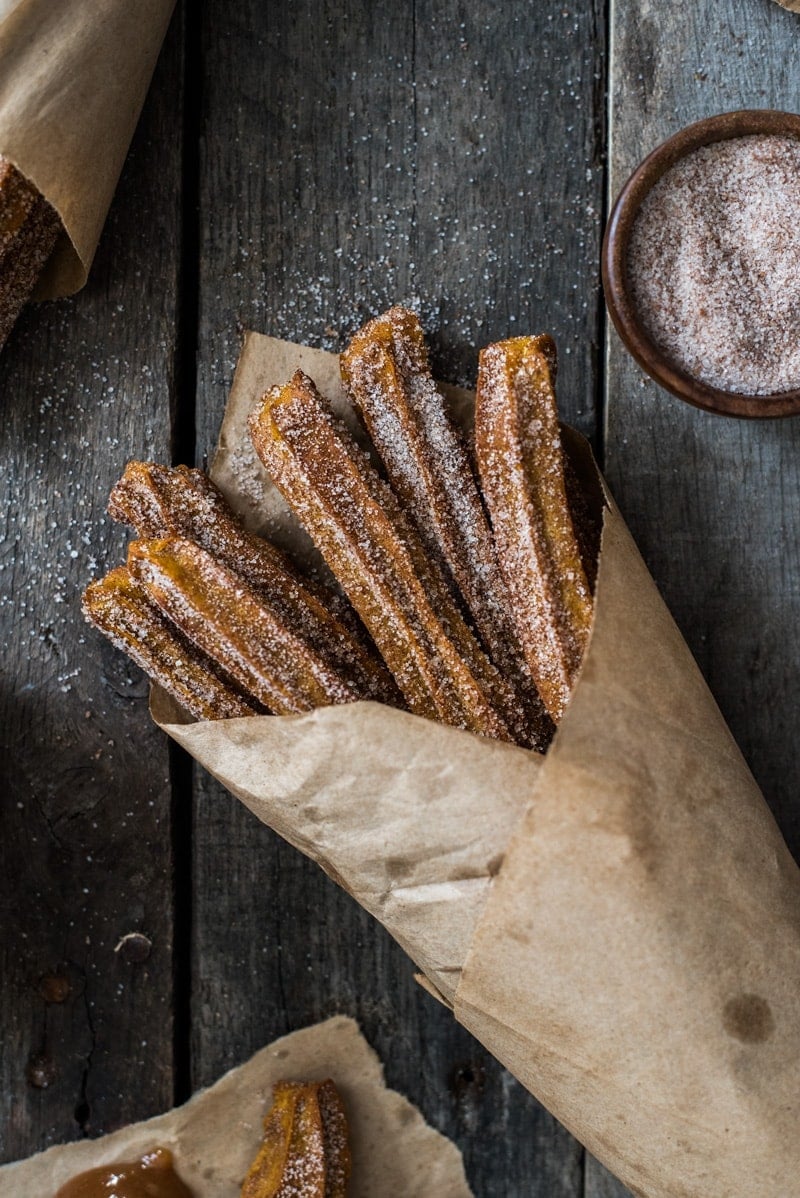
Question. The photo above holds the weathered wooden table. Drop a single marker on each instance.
(300, 166)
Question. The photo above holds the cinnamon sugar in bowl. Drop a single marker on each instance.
(701, 264)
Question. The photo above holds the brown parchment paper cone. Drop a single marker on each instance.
(216, 1135)
(619, 923)
(336, 784)
(73, 77)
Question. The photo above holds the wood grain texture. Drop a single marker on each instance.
(87, 1029)
(449, 156)
(599, 1183)
(712, 502)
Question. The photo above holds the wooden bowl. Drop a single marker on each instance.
(615, 257)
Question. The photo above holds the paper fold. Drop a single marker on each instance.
(335, 784)
(637, 965)
(626, 914)
(73, 78)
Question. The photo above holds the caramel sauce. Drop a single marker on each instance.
(152, 1176)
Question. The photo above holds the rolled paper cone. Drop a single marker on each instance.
(336, 784)
(215, 1136)
(73, 78)
(637, 965)
(619, 922)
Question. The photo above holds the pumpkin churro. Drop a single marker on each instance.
(381, 563)
(305, 1151)
(122, 610)
(228, 622)
(386, 373)
(17, 201)
(28, 231)
(179, 502)
(521, 465)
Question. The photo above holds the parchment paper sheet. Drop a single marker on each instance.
(216, 1135)
(73, 77)
(626, 913)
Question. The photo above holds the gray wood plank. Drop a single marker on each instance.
(86, 852)
(447, 156)
(508, 183)
(599, 1183)
(712, 502)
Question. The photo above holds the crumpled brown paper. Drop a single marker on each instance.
(73, 77)
(216, 1135)
(618, 923)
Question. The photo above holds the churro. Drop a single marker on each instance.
(386, 373)
(122, 610)
(521, 465)
(28, 231)
(17, 200)
(380, 561)
(228, 622)
(305, 1151)
(176, 501)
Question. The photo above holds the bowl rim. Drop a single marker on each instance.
(724, 126)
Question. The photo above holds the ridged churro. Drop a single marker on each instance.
(387, 376)
(380, 561)
(176, 501)
(29, 228)
(226, 620)
(305, 1151)
(521, 463)
(122, 610)
(17, 200)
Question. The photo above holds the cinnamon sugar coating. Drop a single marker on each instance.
(386, 373)
(121, 609)
(228, 622)
(382, 564)
(29, 228)
(521, 463)
(17, 201)
(714, 264)
(229, 626)
(179, 502)
(305, 1152)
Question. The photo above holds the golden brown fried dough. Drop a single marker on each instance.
(386, 373)
(521, 464)
(29, 228)
(376, 554)
(17, 200)
(120, 608)
(305, 1153)
(228, 622)
(176, 501)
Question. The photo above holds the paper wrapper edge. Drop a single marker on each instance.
(336, 783)
(215, 1136)
(73, 78)
(627, 925)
